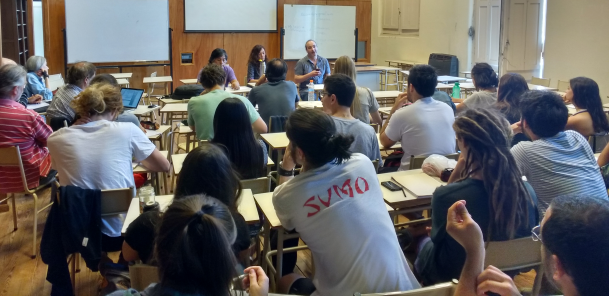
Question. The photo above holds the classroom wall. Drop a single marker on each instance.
(443, 28)
(237, 45)
(575, 43)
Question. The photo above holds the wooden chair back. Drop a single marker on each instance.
(513, 254)
(143, 275)
(416, 162)
(375, 127)
(541, 81)
(116, 201)
(444, 289)
(11, 157)
(563, 85)
(258, 185)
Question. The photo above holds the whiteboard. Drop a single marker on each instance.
(332, 28)
(233, 15)
(101, 31)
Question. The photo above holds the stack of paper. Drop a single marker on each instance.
(421, 185)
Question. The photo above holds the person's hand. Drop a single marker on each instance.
(314, 73)
(461, 226)
(494, 280)
(566, 100)
(82, 120)
(400, 101)
(517, 127)
(256, 281)
(143, 129)
(35, 99)
(288, 162)
(45, 74)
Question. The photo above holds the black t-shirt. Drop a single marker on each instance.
(141, 234)
(442, 259)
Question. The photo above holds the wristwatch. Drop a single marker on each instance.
(283, 172)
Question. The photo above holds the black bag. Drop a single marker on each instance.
(185, 92)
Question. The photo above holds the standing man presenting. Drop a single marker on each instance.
(311, 67)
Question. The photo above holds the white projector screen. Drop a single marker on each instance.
(105, 31)
(230, 15)
(332, 27)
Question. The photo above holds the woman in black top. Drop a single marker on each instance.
(253, 63)
(488, 179)
(206, 170)
(511, 87)
(233, 131)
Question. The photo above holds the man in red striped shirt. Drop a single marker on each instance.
(24, 128)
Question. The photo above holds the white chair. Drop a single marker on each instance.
(11, 157)
(563, 85)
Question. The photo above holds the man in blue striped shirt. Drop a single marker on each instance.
(556, 162)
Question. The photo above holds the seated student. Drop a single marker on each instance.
(233, 131)
(257, 54)
(443, 97)
(208, 171)
(423, 128)
(485, 81)
(219, 57)
(365, 104)
(23, 128)
(556, 162)
(278, 97)
(99, 154)
(574, 243)
(37, 70)
(337, 99)
(336, 206)
(486, 176)
(122, 117)
(201, 109)
(509, 93)
(590, 119)
(78, 77)
(193, 252)
(25, 98)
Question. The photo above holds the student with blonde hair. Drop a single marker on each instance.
(99, 154)
(365, 105)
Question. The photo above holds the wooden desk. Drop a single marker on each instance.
(386, 98)
(397, 200)
(385, 72)
(251, 84)
(173, 101)
(140, 168)
(244, 90)
(142, 110)
(178, 162)
(160, 79)
(189, 81)
(158, 135)
(123, 81)
(357, 64)
(467, 73)
(246, 207)
(169, 112)
(539, 87)
(448, 79)
(122, 75)
(309, 105)
(400, 63)
(369, 77)
(385, 111)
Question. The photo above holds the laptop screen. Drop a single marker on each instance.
(131, 97)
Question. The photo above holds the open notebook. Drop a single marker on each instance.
(421, 185)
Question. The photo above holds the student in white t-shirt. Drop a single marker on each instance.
(337, 207)
(485, 81)
(337, 97)
(98, 154)
(423, 128)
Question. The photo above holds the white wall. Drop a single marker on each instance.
(443, 29)
(577, 43)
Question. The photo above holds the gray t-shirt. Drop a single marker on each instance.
(274, 99)
(368, 104)
(305, 66)
(365, 141)
(481, 99)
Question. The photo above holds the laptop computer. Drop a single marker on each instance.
(131, 97)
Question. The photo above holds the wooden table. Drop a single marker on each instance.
(386, 97)
(123, 81)
(189, 81)
(309, 105)
(169, 112)
(158, 135)
(244, 90)
(467, 73)
(122, 75)
(448, 79)
(139, 168)
(357, 64)
(159, 79)
(173, 101)
(178, 161)
(396, 199)
(142, 110)
(246, 207)
(539, 87)
(369, 77)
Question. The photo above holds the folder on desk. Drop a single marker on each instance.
(421, 185)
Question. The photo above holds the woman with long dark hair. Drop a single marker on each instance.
(219, 57)
(193, 250)
(206, 170)
(511, 88)
(488, 179)
(485, 81)
(590, 119)
(232, 129)
(257, 54)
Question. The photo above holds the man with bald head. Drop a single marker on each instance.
(78, 77)
(312, 67)
(26, 97)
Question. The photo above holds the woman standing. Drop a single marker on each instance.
(253, 64)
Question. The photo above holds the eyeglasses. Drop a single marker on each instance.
(536, 233)
(325, 93)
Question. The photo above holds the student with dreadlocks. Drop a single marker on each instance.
(487, 178)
